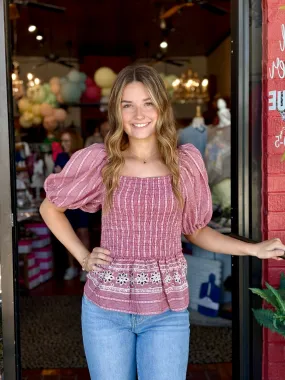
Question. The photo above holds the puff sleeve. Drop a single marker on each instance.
(79, 184)
(197, 211)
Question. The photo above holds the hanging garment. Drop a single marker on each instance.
(194, 135)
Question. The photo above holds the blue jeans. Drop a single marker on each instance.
(119, 345)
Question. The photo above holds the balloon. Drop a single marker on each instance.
(24, 104)
(37, 120)
(89, 82)
(63, 80)
(106, 91)
(59, 114)
(37, 94)
(82, 86)
(83, 77)
(70, 92)
(93, 93)
(28, 116)
(74, 76)
(51, 99)
(59, 98)
(104, 77)
(55, 88)
(46, 110)
(50, 123)
(25, 123)
(46, 86)
(36, 109)
(54, 80)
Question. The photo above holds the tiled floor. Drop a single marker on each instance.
(196, 372)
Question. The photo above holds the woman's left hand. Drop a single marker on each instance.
(269, 249)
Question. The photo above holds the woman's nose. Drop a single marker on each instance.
(139, 113)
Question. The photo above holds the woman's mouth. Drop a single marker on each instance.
(141, 125)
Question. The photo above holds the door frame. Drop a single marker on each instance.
(247, 335)
(246, 217)
(8, 210)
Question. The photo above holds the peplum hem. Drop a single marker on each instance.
(140, 287)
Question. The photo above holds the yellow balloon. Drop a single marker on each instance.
(25, 123)
(36, 109)
(106, 91)
(28, 116)
(105, 77)
(37, 120)
(24, 105)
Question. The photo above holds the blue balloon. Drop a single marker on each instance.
(70, 92)
(82, 86)
(63, 80)
(83, 76)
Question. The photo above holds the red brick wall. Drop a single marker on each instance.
(273, 170)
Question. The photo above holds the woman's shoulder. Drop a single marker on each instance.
(189, 153)
(94, 151)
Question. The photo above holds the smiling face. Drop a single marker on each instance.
(139, 114)
(66, 142)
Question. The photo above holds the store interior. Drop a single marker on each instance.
(65, 57)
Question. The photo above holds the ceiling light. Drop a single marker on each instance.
(205, 82)
(30, 76)
(176, 83)
(32, 28)
(163, 45)
(39, 37)
(37, 81)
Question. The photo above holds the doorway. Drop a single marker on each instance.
(246, 90)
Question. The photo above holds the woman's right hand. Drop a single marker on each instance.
(99, 256)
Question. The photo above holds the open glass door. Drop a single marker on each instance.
(246, 181)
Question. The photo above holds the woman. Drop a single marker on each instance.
(71, 142)
(134, 310)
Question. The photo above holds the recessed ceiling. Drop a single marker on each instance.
(120, 27)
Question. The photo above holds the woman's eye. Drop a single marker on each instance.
(149, 104)
(126, 105)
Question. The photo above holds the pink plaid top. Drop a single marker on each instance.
(142, 230)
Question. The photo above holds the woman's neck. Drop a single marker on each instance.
(143, 148)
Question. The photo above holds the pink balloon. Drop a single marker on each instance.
(89, 82)
(46, 109)
(93, 93)
(59, 114)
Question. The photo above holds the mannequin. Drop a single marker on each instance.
(198, 120)
(224, 114)
(195, 133)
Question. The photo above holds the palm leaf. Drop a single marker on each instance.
(266, 295)
(281, 303)
(282, 281)
(264, 317)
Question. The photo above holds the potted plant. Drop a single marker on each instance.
(274, 317)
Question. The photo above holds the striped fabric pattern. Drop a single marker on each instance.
(142, 230)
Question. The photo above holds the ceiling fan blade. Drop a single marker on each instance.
(214, 8)
(174, 63)
(44, 6)
(64, 63)
(174, 10)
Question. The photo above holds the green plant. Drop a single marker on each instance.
(273, 319)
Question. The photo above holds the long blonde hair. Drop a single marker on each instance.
(117, 140)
